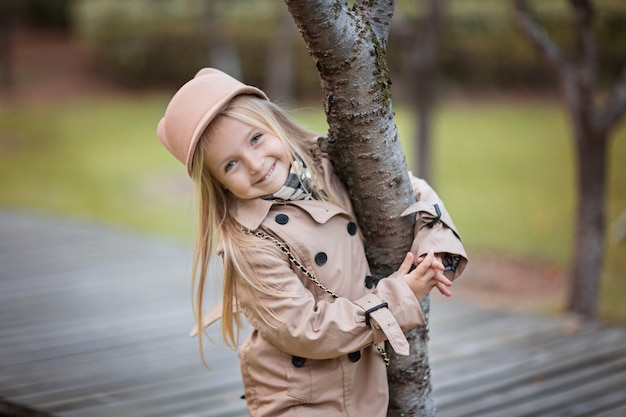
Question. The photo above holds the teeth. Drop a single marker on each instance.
(268, 174)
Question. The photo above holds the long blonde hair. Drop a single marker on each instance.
(215, 223)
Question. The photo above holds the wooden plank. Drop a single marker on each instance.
(602, 404)
(527, 388)
(615, 411)
(554, 401)
(570, 354)
(168, 397)
(94, 322)
(156, 393)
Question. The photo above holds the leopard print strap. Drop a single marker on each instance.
(285, 249)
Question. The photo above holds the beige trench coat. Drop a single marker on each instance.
(321, 359)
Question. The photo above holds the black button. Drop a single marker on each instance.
(297, 361)
(321, 258)
(354, 356)
(352, 228)
(369, 282)
(282, 218)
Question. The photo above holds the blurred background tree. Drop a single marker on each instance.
(480, 46)
(156, 42)
(594, 114)
(50, 14)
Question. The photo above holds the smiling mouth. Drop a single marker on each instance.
(269, 174)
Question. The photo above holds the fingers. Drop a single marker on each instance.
(441, 278)
(442, 283)
(439, 259)
(425, 262)
(406, 264)
(427, 275)
(437, 262)
(443, 289)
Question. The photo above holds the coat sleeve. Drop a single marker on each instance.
(434, 229)
(323, 327)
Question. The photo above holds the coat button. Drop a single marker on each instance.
(297, 361)
(354, 356)
(321, 258)
(282, 218)
(352, 228)
(369, 282)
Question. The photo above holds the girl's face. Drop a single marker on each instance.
(247, 161)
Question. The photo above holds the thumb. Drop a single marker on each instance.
(406, 264)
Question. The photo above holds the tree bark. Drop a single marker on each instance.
(591, 126)
(588, 250)
(349, 47)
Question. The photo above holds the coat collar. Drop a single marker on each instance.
(251, 213)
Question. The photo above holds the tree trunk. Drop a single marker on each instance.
(409, 377)
(591, 126)
(423, 156)
(7, 39)
(348, 47)
(280, 65)
(425, 67)
(419, 68)
(588, 249)
(223, 53)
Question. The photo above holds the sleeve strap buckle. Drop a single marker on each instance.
(371, 310)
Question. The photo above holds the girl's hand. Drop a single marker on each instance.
(440, 285)
(427, 275)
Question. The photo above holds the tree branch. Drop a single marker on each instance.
(379, 13)
(615, 108)
(539, 38)
(327, 29)
(583, 16)
(584, 74)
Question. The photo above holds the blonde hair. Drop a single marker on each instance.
(215, 222)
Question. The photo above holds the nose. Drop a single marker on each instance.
(254, 163)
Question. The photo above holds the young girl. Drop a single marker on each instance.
(294, 262)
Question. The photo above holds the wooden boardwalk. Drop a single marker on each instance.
(94, 323)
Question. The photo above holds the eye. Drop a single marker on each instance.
(255, 138)
(230, 166)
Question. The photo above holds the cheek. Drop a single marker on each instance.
(237, 182)
(282, 152)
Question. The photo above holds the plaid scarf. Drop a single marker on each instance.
(297, 186)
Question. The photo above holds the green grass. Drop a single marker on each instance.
(504, 169)
(95, 159)
(506, 173)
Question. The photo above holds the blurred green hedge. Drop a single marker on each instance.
(483, 46)
(51, 14)
(144, 42)
(157, 42)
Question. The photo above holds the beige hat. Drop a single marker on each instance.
(194, 106)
